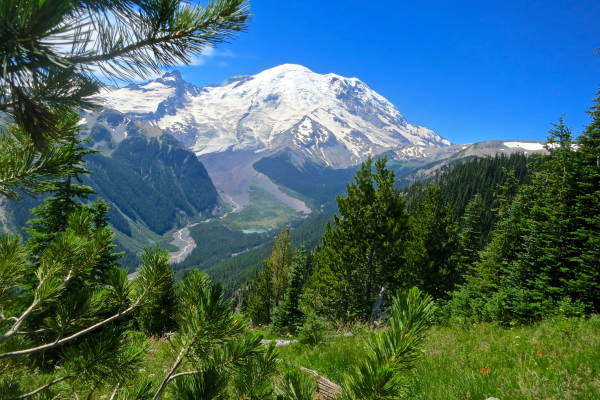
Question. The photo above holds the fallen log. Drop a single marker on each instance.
(325, 388)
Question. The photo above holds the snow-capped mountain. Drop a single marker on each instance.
(329, 119)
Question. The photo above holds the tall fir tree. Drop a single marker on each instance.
(260, 297)
(53, 215)
(586, 212)
(287, 316)
(430, 247)
(362, 251)
(470, 236)
(156, 316)
(281, 264)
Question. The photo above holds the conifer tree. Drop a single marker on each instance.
(470, 237)
(53, 215)
(281, 264)
(430, 246)
(157, 315)
(260, 297)
(362, 251)
(587, 212)
(287, 315)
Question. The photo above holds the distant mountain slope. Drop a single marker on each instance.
(152, 182)
(488, 148)
(306, 177)
(330, 119)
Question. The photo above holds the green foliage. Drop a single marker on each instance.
(362, 251)
(267, 288)
(535, 260)
(253, 381)
(297, 385)
(287, 316)
(281, 264)
(430, 246)
(470, 235)
(234, 272)
(470, 177)
(208, 385)
(392, 351)
(78, 321)
(155, 182)
(27, 168)
(260, 298)
(157, 315)
(322, 184)
(314, 330)
(216, 242)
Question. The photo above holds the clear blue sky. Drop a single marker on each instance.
(470, 70)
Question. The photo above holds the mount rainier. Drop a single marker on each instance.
(329, 119)
(287, 116)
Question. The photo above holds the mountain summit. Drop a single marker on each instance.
(329, 119)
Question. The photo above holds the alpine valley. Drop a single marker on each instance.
(198, 168)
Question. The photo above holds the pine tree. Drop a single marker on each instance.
(157, 315)
(281, 264)
(586, 212)
(362, 251)
(287, 315)
(378, 376)
(470, 236)
(260, 298)
(52, 216)
(430, 247)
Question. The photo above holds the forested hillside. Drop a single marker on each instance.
(459, 182)
(154, 183)
(305, 176)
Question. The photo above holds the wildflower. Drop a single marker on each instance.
(482, 369)
(538, 345)
(487, 370)
(539, 352)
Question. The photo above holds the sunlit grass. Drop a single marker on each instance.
(557, 359)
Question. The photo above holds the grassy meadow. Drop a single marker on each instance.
(555, 359)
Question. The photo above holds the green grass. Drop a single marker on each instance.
(264, 212)
(566, 367)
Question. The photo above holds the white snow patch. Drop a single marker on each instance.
(524, 145)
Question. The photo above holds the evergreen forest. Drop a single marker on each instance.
(481, 282)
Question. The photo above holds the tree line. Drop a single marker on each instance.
(512, 239)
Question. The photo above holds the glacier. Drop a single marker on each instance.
(330, 119)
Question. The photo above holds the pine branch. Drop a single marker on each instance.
(180, 357)
(46, 386)
(60, 342)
